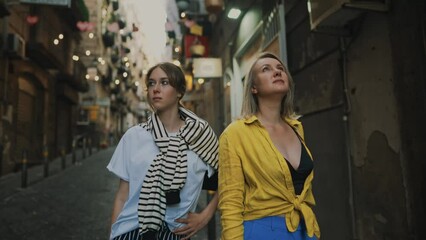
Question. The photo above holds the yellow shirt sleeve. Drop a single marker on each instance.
(231, 203)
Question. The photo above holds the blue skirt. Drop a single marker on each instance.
(274, 228)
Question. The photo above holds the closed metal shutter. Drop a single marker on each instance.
(30, 129)
(63, 131)
(26, 109)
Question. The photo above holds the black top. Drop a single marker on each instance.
(305, 168)
(210, 183)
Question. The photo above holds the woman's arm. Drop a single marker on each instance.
(231, 187)
(120, 198)
(196, 221)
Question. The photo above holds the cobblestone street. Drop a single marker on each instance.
(74, 203)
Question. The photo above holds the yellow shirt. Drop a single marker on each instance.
(255, 181)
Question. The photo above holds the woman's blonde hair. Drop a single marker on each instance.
(250, 102)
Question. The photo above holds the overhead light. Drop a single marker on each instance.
(234, 13)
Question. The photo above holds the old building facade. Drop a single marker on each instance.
(40, 81)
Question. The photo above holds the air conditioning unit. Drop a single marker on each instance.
(15, 46)
(332, 15)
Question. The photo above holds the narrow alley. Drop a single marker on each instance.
(78, 74)
(74, 203)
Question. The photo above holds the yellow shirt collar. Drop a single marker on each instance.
(291, 121)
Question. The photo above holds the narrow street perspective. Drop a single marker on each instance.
(167, 118)
(74, 203)
(71, 204)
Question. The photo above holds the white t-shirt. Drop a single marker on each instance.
(131, 160)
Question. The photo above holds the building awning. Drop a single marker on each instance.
(76, 82)
(70, 93)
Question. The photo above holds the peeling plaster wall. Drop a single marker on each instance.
(371, 86)
(375, 134)
(379, 192)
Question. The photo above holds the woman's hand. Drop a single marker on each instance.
(194, 222)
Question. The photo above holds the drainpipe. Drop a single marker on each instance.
(348, 108)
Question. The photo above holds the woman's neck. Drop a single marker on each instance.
(269, 112)
(171, 120)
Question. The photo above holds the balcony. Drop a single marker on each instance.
(76, 79)
(45, 46)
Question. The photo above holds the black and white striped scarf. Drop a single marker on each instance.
(169, 168)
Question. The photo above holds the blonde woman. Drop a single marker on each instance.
(265, 167)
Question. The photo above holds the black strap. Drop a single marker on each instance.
(210, 183)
